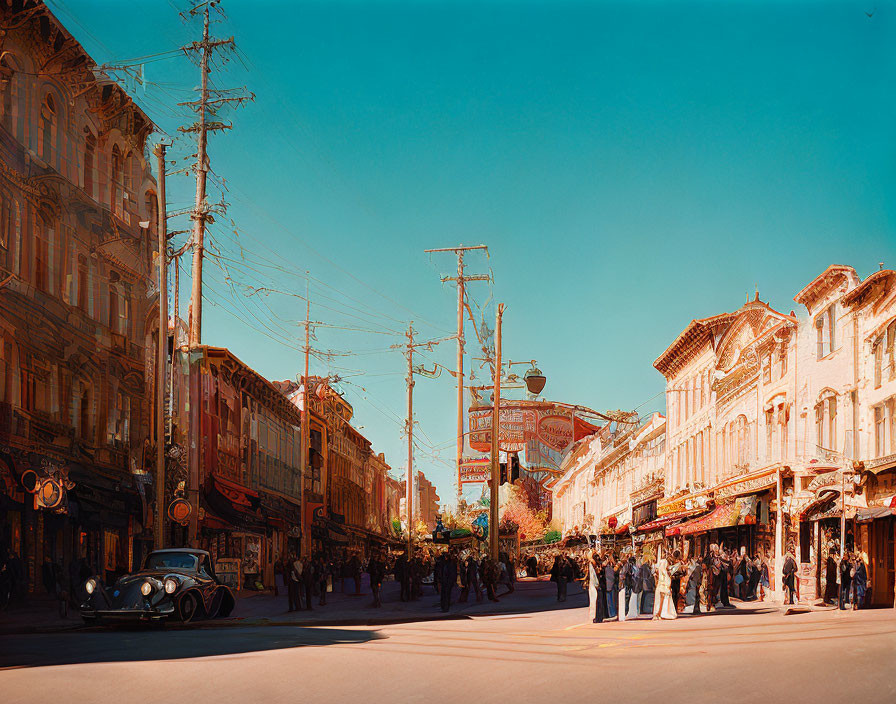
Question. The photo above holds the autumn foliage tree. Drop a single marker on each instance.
(516, 511)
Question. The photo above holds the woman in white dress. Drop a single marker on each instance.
(663, 606)
(634, 599)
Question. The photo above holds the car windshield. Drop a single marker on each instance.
(171, 560)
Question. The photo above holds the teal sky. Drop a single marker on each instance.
(630, 165)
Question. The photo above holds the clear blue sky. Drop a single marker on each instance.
(630, 165)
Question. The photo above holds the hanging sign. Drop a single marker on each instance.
(179, 511)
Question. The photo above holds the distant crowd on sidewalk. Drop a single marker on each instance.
(307, 580)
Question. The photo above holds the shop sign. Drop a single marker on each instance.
(179, 511)
(555, 431)
(682, 504)
(475, 471)
(227, 569)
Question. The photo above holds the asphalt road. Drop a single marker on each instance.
(756, 656)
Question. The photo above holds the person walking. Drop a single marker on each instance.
(741, 574)
(470, 579)
(789, 573)
(662, 607)
(609, 569)
(723, 576)
(449, 579)
(355, 570)
(622, 590)
(695, 580)
(376, 568)
(830, 575)
(845, 580)
(648, 587)
(596, 590)
(322, 573)
(859, 581)
(402, 576)
(308, 579)
(294, 582)
(532, 566)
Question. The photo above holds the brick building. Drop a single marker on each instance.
(76, 321)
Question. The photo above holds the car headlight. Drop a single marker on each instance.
(146, 588)
(170, 585)
(90, 586)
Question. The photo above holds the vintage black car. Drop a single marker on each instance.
(175, 584)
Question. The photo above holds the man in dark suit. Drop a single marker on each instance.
(448, 574)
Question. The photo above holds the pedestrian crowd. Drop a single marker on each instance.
(846, 579)
(632, 584)
(445, 570)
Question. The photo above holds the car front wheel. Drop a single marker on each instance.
(188, 607)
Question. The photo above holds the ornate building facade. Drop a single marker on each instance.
(780, 436)
(78, 220)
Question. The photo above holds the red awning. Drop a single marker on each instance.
(667, 520)
(723, 516)
(236, 494)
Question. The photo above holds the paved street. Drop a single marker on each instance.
(753, 653)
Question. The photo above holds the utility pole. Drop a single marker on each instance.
(496, 467)
(158, 525)
(409, 488)
(175, 316)
(205, 106)
(461, 280)
(409, 347)
(306, 429)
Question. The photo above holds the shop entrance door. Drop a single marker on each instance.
(882, 562)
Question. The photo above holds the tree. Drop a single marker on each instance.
(516, 510)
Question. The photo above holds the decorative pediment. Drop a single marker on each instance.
(754, 322)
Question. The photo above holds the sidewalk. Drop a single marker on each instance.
(40, 614)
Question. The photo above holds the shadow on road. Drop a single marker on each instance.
(133, 645)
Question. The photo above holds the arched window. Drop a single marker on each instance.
(89, 165)
(117, 179)
(47, 130)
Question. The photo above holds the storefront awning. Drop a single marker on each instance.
(667, 520)
(724, 516)
(880, 464)
(863, 515)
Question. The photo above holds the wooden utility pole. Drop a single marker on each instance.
(409, 423)
(175, 317)
(161, 366)
(461, 280)
(306, 429)
(493, 543)
(204, 106)
(409, 488)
